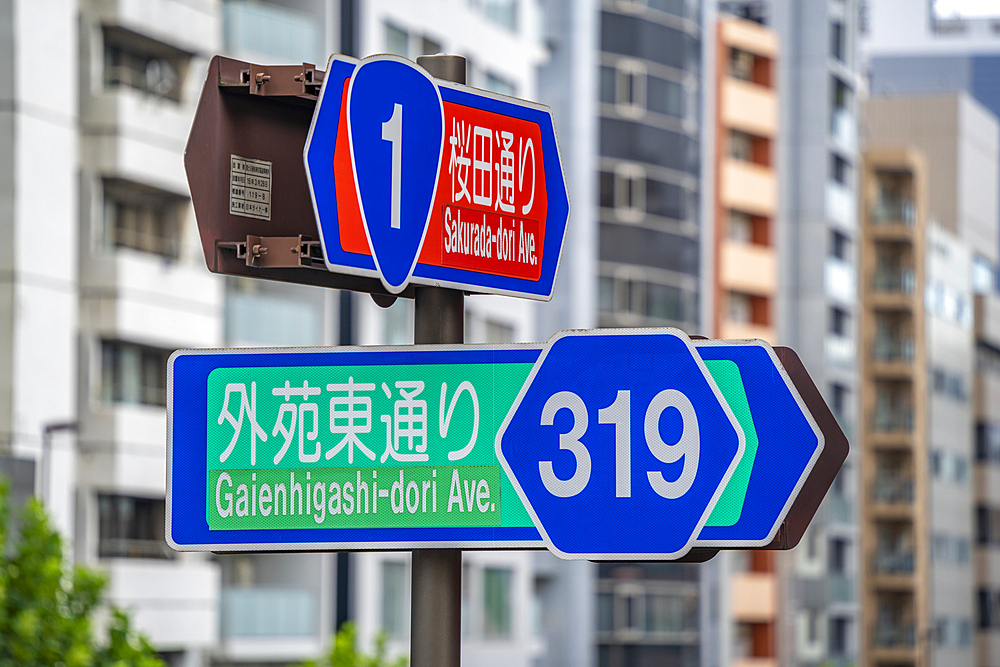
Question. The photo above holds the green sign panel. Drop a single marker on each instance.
(368, 446)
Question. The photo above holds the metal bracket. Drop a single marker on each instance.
(279, 80)
(277, 252)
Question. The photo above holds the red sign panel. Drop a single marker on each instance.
(489, 209)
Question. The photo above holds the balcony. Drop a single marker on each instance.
(893, 420)
(748, 267)
(893, 562)
(892, 490)
(894, 280)
(839, 508)
(894, 212)
(893, 635)
(748, 107)
(748, 187)
(753, 597)
(840, 588)
(893, 350)
(267, 612)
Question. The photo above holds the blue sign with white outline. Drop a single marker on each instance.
(624, 456)
(426, 182)
(657, 445)
(379, 89)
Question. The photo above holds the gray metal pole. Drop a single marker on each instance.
(436, 574)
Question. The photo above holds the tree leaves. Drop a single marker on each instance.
(46, 608)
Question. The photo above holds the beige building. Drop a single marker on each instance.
(745, 277)
(928, 245)
(746, 186)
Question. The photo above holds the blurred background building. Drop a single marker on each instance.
(713, 156)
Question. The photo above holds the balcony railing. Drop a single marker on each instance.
(891, 635)
(893, 562)
(892, 490)
(894, 280)
(840, 588)
(893, 421)
(268, 612)
(893, 211)
(122, 547)
(893, 349)
(839, 508)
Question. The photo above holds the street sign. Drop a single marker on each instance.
(783, 443)
(368, 421)
(343, 448)
(622, 456)
(421, 181)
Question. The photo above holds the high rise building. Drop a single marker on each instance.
(929, 243)
(104, 276)
(816, 238)
(741, 112)
(746, 184)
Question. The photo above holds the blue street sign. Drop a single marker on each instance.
(620, 444)
(652, 446)
(426, 182)
(783, 443)
(380, 88)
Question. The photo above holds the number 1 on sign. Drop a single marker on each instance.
(392, 131)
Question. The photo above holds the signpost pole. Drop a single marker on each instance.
(436, 574)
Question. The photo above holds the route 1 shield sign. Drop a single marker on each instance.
(421, 181)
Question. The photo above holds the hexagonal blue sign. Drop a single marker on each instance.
(619, 444)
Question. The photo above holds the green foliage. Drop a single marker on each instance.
(46, 608)
(344, 652)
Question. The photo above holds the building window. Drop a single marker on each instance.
(135, 61)
(837, 40)
(840, 322)
(399, 323)
(838, 636)
(740, 307)
(131, 527)
(397, 41)
(499, 333)
(741, 64)
(630, 87)
(984, 279)
(670, 613)
(665, 97)
(395, 600)
(630, 192)
(496, 603)
(837, 556)
(502, 12)
(740, 146)
(840, 245)
(840, 169)
(740, 227)
(838, 400)
(605, 612)
(498, 84)
(133, 373)
(142, 218)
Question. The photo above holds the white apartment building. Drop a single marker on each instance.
(103, 276)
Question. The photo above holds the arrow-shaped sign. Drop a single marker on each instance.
(420, 181)
(634, 452)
